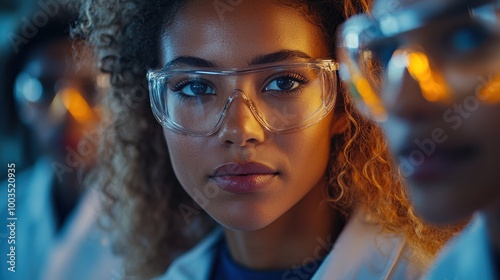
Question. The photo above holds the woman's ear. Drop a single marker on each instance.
(339, 125)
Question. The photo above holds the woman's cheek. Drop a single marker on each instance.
(185, 156)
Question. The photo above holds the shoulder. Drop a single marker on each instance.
(196, 264)
(82, 248)
(467, 256)
(365, 251)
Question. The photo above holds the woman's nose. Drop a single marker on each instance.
(240, 127)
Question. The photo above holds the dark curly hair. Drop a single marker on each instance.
(135, 172)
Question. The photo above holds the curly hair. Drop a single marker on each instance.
(135, 172)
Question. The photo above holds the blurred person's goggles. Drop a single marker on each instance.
(77, 95)
(451, 49)
(282, 97)
(42, 91)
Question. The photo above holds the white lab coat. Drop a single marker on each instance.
(79, 251)
(362, 251)
(468, 256)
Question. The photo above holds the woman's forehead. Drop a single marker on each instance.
(235, 36)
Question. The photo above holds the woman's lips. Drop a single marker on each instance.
(243, 177)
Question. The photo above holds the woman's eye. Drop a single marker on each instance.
(283, 84)
(196, 88)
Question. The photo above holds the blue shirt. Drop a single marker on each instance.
(225, 268)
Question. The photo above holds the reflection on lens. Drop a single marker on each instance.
(28, 88)
(371, 99)
(490, 90)
(76, 105)
(432, 83)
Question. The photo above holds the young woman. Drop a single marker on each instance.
(258, 144)
(440, 97)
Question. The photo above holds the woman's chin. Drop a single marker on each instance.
(244, 221)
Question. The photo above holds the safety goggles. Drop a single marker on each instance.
(451, 51)
(78, 96)
(282, 97)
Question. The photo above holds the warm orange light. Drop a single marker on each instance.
(371, 99)
(418, 65)
(490, 91)
(432, 83)
(76, 105)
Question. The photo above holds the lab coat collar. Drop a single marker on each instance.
(362, 251)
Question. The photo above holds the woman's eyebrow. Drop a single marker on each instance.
(191, 61)
(283, 55)
(279, 56)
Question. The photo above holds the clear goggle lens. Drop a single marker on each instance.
(283, 98)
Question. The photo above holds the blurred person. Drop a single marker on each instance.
(257, 165)
(14, 144)
(57, 96)
(429, 71)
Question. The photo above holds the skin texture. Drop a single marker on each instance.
(461, 173)
(258, 224)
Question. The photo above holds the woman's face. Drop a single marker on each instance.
(449, 152)
(244, 176)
